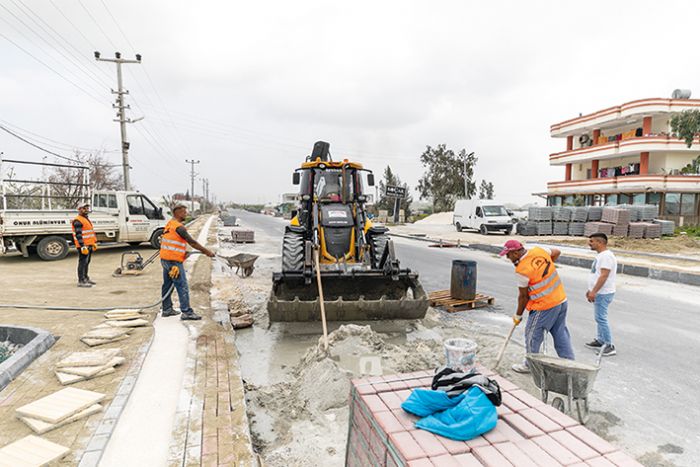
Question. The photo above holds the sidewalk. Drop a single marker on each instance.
(670, 268)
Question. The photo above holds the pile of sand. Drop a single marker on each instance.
(439, 218)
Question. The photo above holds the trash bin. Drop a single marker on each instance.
(463, 283)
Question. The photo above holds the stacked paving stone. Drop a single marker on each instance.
(526, 228)
(595, 213)
(667, 227)
(652, 230)
(562, 213)
(561, 228)
(635, 211)
(620, 218)
(636, 229)
(580, 214)
(597, 227)
(544, 228)
(577, 228)
(539, 213)
(528, 431)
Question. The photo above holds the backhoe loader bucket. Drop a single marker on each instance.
(349, 296)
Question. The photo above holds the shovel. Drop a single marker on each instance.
(505, 344)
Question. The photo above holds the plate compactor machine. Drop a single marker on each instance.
(360, 275)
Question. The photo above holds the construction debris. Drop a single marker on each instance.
(31, 451)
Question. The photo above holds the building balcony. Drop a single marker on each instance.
(620, 114)
(625, 147)
(627, 184)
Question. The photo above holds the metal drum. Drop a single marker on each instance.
(463, 283)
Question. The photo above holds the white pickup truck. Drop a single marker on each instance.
(118, 216)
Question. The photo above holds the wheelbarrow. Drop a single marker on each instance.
(572, 379)
(243, 262)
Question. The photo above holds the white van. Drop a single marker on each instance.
(484, 215)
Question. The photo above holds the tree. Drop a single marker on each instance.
(388, 203)
(66, 181)
(486, 190)
(686, 125)
(444, 180)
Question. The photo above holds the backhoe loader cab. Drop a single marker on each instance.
(361, 276)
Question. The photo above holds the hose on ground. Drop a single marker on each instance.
(74, 308)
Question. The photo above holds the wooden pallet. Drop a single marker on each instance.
(442, 299)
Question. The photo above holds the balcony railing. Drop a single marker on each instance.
(622, 148)
(627, 184)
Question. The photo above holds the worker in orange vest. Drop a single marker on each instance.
(85, 240)
(173, 252)
(542, 294)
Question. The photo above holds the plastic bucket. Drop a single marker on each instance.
(460, 354)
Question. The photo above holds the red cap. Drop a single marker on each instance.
(511, 245)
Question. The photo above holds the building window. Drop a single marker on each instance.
(654, 198)
(611, 200)
(569, 200)
(639, 198)
(688, 204)
(673, 204)
(624, 198)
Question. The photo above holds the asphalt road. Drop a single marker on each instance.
(648, 392)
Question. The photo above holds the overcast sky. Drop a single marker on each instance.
(247, 87)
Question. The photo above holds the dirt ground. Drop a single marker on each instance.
(297, 394)
(32, 281)
(679, 245)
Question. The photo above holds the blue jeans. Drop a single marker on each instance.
(553, 321)
(183, 292)
(601, 304)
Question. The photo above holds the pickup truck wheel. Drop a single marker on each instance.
(483, 230)
(134, 244)
(458, 226)
(155, 239)
(52, 248)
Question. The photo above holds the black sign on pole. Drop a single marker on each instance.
(398, 193)
(393, 191)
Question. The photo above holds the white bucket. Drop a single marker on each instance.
(460, 354)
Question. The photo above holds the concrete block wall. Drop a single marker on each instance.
(528, 432)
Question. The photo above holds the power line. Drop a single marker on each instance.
(6, 130)
(59, 145)
(77, 86)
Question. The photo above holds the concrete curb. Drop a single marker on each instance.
(100, 437)
(35, 341)
(666, 275)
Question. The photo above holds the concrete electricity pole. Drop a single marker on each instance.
(121, 108)
(204, 193)
(192, 176)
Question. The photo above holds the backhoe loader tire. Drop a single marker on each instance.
(293, 251)
(378, 246)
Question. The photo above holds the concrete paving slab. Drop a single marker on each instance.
(31, 451)
(60, 405)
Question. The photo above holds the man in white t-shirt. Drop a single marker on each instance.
(601, 291)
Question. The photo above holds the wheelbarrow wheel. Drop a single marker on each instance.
(248, 271)
(545, 395)
(558, 403)
(582, 410)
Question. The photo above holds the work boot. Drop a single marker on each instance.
(595, 344)
(171, 312)
(84, 284)
(521, 368)
(609, 351)
(190, 316)
(91, 282)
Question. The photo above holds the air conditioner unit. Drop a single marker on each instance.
(585, 140)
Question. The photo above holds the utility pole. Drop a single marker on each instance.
(192, 176)
(204, 193)
(466, 190)
(121, 109)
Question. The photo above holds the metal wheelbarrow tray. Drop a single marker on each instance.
(567, 377)
(243, 262)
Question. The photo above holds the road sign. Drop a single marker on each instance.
(394, 191)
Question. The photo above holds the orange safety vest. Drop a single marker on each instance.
(545, 288)
(172, 246)
(89, 235)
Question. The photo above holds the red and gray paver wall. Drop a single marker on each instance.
(528, 432)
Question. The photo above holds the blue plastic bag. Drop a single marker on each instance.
(424, 402)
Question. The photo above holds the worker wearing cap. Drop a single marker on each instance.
(85, 240)
(542, 294)
(173, 252)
